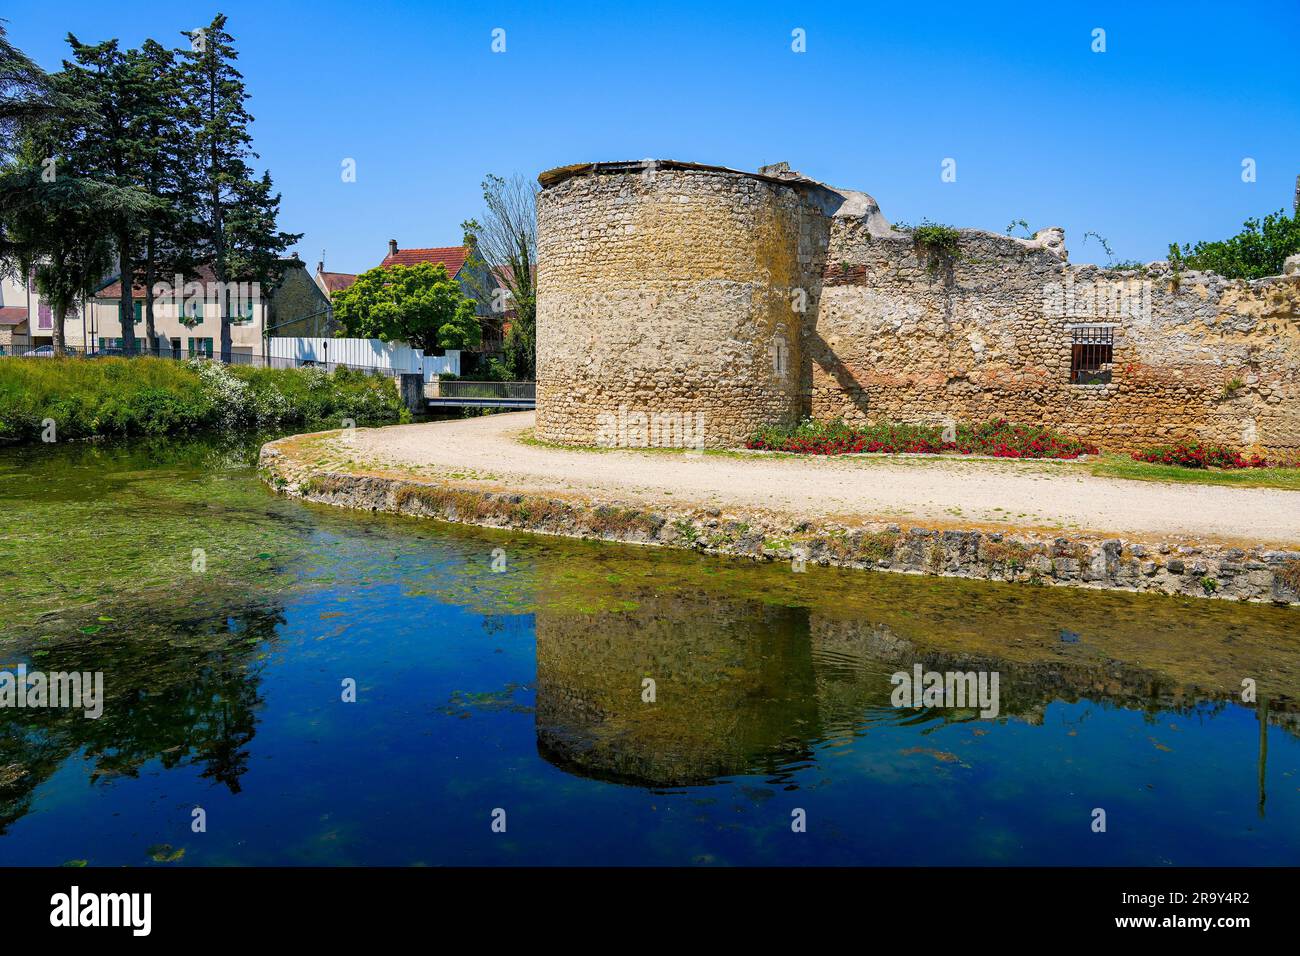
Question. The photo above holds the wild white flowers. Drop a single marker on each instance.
(229, 394)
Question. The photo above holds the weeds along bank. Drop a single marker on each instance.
(314, 468)
(64, 399)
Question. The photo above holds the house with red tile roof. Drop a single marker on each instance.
(453, 257)
(467, 269)
(188, 313)
(331, 282)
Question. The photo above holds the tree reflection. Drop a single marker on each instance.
(182, 689)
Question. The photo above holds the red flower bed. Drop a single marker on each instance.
(999, 439)
(1194, 455)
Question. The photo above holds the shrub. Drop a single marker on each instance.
(1259, 250)
(1195, 455)
(998, 438)
(111, 396)
(150, 396)
(939, 243)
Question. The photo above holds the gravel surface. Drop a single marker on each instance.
(488, 452)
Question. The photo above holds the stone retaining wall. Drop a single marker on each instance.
(1175, 567)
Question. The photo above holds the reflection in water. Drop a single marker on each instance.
(745, 688)
(733, 684)
(177, 700)
(768, 687)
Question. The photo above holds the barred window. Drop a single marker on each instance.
(1092, 350)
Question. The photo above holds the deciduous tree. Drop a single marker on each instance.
(236, 211)
(1259, 250)
(420, 305)
(505, 256)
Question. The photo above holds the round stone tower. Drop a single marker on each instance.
(669, 301)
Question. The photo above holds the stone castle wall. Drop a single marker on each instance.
(905, 334)
(672, 289)
(669, 290)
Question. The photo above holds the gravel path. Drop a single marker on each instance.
(487, 452)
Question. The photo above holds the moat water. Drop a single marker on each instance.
(500, 676)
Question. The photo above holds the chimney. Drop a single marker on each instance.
(320, 266)
(392, 247)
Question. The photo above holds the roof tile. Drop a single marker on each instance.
(453, 257)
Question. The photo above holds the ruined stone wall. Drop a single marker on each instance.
(677, 290)
(909, 334)
(665, 291)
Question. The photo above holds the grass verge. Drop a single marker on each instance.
(1122, 466)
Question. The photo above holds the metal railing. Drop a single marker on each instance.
(36, 352)
(501, 391)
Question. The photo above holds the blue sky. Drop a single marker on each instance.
(1142, 144)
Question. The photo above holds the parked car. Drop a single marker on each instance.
(44, 351)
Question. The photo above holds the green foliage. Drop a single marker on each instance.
(940, 243)
(101, 397)
(106, 143)
(60, 211)
(305, 396)
(1257, 251)
(504, 258)
(235, 210)
(1123, 466)
(146, 396)
(1128, 265)
(1101, 241)
(420, 304)
(141, 156)
(1232, 387)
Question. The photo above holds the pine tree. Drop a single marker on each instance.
(108, 145)
(235, 211)
(166, 174)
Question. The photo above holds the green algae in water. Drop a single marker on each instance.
(83, 525)
(524, 688)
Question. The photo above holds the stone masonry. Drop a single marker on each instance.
(671, 291)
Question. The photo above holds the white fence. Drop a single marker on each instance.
(435, 365)
(355, 353)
